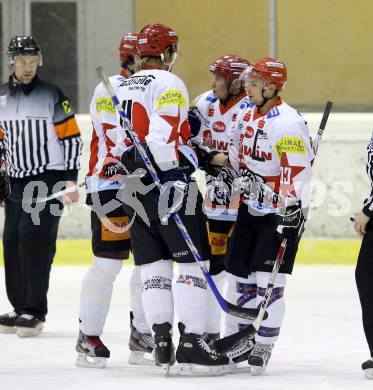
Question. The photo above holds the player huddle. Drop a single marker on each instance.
(250, 143)
(147, 144)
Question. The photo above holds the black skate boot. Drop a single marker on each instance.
(259, 358)
(8, 322)
(196, 358)
(139, 345)
(210, 339)
(28, 326)
(92, 352)
(368, 368)
(164, 348)
(239, 354)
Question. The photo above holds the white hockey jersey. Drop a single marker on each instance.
(157, 103)
(276, 148)
(217, 132)
(108, 141)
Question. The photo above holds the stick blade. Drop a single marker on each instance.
(243, 312)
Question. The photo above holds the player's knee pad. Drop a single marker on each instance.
(270, 328)
(190, 294)
(240, 292)
(157, 291)
(98, 280)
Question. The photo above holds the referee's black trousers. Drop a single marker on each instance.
(29, 247)
(364, 283)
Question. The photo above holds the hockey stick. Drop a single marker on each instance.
(229, 342)
(126, 124)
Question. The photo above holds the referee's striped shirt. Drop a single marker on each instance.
(368, 203)
(38, 130)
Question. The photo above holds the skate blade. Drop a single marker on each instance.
(29, 332)
(7, 329)
(236, 368)
(189, 369)
(90, 362)
(138, 358)
(257, 370)
(368, 373)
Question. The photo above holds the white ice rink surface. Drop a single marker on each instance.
(321, 345)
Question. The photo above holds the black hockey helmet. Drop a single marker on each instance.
(23, 45)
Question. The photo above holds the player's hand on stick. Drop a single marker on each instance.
(291, 222)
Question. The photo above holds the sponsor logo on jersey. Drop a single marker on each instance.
(290, 145)
(249, 132)
(219, 145)
(234, 117)
(3, 100)
(105, 104)
(248, 151)
(219, 127)
(138, 80)
(66, 107)
(171, 97)
(211, 111)
(247, 116)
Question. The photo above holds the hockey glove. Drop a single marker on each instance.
(172, 193)
(221, 188)
(291, 222)
(4, 186)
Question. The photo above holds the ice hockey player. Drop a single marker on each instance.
(159, 103)
(210, 117)
(271, 146)
(110, 231)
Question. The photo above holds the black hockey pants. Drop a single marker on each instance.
(29, 248)
(364, 283)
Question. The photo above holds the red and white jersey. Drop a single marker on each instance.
(108, 141)
(217, 132)
(276, 148)
(157, 103)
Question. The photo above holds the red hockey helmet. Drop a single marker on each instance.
(230, 67)
(270, 70)
(128, 48)
(154, 39)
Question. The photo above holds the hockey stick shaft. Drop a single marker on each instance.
(229, 342)
(225, 305)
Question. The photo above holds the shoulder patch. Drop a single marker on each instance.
(171, 97)
(66, 107)
(105, 104)
(290, 145)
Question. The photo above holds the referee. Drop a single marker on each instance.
(364, 268)
(42, 149)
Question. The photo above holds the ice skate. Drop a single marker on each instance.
(164, 348)
(195, 357)
(92, 352)
(140, 345)
(28, 326)
(8, 322)
(368, 368)
(239, 354)
(210, 339)
(259, 358)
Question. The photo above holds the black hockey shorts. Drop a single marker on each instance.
(110, 233)
(255, 243)
(219, 234)
(156, 241)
